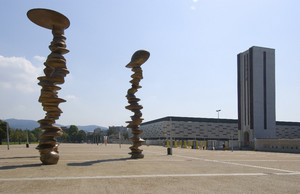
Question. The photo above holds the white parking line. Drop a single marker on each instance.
(61, 160)
(260, 160)
(130, 176)
(142, 176)
(238, 164)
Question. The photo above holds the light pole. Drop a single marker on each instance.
(232, 143)
(7, 135)
(218, 111)
(169, 150)
(120, 139)
(27, 142)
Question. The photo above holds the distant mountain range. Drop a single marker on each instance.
(31, 124)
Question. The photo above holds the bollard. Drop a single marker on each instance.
(169, 151)
(168, 144)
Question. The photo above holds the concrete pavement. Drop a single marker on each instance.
(88, 168)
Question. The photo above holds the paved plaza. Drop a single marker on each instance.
(91, 168)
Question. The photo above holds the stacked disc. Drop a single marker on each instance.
(138, 58)
(55, 72)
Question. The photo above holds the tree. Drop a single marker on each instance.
(64, 138)
(15, 135)
(19, 135)
(37, 133)
(81, 136)
(73, 132)
(31, 137)
(125, 135)
(90, 137)
(73, 135)
(2, 131)
(112, 131)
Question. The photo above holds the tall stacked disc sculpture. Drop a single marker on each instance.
(138, 58)
(55, 71)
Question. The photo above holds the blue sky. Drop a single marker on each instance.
(192, 69)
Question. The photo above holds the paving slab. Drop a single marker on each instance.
(91, 168)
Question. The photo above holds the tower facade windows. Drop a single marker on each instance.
(256, 94)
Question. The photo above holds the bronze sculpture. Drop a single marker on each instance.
(55, 71)
(138, 58)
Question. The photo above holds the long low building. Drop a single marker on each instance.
(287, 130)
(190, 128)
(209, 129)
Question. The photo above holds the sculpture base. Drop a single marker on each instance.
(48, 156)
(136, 155)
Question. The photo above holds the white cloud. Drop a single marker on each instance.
(5, 85)
(70, 97)
(193, 7)
(18, 73)
(40, 58)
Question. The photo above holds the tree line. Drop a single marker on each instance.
(18, 135)
(70, 135)
(112, 133)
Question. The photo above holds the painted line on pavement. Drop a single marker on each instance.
(238, 164)
(62, 160)
(130, 176)
(260, 160)
(234, 163)
(143, 176)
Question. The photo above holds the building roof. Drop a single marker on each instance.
(210, 120)
(288, 123)
(191, 119)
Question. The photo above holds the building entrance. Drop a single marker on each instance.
(246, 139)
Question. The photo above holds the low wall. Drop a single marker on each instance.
(278, 145)
(196, 144)
(155, 142)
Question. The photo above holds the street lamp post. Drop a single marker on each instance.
(218, 111)
(27, 142)
(232, 143)
(7, 135)
(171, 142)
